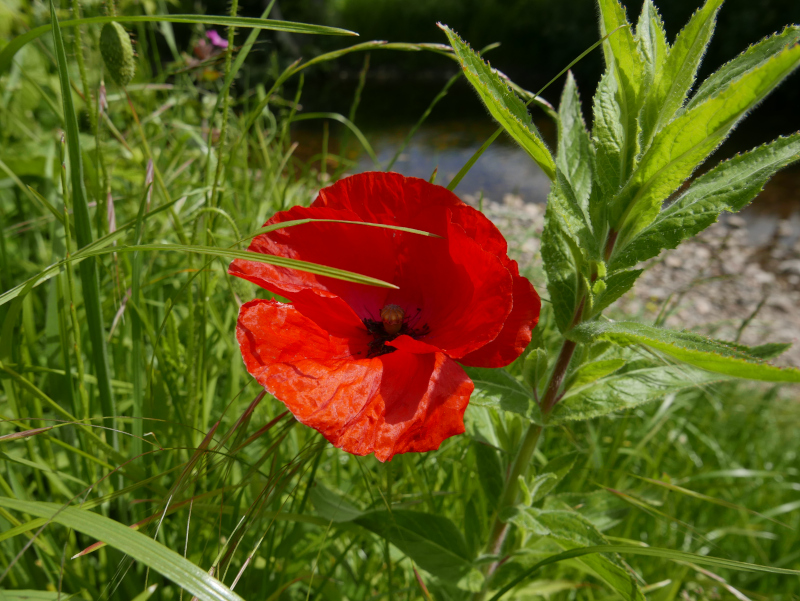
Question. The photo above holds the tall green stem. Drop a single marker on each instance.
(525, 453)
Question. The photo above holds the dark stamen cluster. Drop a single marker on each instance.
(378, 346)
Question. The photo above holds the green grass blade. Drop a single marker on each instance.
(351, 126)
(135, 544)
(249, 22)
(96, 248)
(83, 233)
(52, 270)
(227, 253)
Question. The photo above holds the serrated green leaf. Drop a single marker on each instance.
(552, 473)
(687, 140)
(651, 40)
(672, 85)
(617, 284)
(503, 104)
(535, 367)
(627, 390)
(499, 389)
(752, 58)
(570, 531)
(591, 372)
(730, 186)
(574, 145)
(573, 216)
(608, 134)
(625, 68)
(561, 263)
(769, 350)
(432, 541)
(725, 358)
(134, 544)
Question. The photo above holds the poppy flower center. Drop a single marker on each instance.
(393, 323)
(392, 317)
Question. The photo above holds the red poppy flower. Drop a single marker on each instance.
(374, 369)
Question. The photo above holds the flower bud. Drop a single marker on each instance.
(117, 51)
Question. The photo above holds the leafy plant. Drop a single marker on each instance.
(611, 207)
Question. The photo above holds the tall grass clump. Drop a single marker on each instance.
(140, 460)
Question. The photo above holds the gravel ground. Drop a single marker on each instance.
(723, 283)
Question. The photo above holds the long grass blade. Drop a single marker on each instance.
(84, 235)
(135, 544)
(7, 54)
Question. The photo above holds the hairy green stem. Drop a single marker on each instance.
(525, 452)
(226, 105)
(511, 490)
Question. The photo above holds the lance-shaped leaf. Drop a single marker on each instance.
(432, 541)
(140, 547)
(83, 233)
(573, 215)
(625, 68)
(651, 40)
(570, 530)
(717, 356)
(672, 85)
(628, 390)
(593, 371)
(499, 389)
(608, 133)
(574, 145)
(686, 141)
(550, 475)
(752, 58)
(730, 186)
(562, 264)
(503, 104)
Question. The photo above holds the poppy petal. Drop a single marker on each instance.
(451, 286)
(516, 333)
(396, 403)
(380, 197)
(330, 312)
(420, 403)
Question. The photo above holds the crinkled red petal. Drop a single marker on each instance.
(396, 403)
